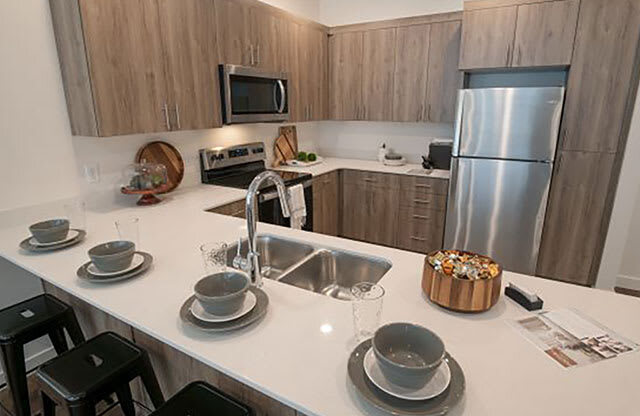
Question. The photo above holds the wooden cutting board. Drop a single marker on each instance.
(167, 155)
(286, 145)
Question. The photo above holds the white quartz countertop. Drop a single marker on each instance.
(298, 353)
(330, 164)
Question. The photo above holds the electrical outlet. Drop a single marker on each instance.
(92, 173)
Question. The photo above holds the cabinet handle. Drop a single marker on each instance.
(428, 116)
(370, 180)
(165, 110)
(508, 55)
(421, 201)
(178, 117)
(251, 55)
(258, 55)
(421, 217)
(422, 185)
(418, 238)
(518, 55)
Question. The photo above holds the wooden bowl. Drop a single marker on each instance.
(460, 295)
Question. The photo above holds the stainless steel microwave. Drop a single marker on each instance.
(251, 95)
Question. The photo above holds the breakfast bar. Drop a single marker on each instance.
(294, 360)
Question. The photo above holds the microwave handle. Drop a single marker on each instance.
(283, 96)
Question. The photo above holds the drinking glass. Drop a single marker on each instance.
(214, 256)
(367, 308)
(75, 212)
(129, 229)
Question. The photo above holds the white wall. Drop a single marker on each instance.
(309, 9)
(342, 12)
(621, 256)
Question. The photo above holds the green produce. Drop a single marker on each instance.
(302, 156)
(312, 157)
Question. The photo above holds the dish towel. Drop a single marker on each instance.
(297, 207)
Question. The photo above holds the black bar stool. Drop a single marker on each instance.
(202, 399)
(25, 322)
(91, 372)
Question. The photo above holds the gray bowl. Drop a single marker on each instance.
(50, 231)
(408, 354)
(113, 256)
(222, 293)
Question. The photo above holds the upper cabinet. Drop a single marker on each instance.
(524, 35)
(233, 28)
(313, 83)
(487, 37)
(345, 75)
(396, 70)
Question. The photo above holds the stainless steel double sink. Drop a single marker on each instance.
(320, 269)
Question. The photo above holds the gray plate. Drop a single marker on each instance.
(256, 313)
(26, 244)
(439, 405)
(83, 273)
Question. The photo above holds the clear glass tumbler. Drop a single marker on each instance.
(129, 229)
(214, 257)
(367, 308)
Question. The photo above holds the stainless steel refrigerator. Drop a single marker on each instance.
(503, 154)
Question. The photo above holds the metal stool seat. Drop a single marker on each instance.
(202, 399)
(25, 322)
(89, 373)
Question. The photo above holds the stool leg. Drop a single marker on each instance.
(48, 405)
(83, 410)
(126, 400)
(58, 340)
(150, 382)
(73, 328)
(15, 373)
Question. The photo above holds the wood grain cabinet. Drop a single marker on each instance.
(519, 35)
(396, 71)
(326, 203)
(130, 67)
(345, 75)
(312, 88)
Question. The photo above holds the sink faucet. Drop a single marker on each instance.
(252, 263)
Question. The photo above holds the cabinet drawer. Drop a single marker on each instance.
(357, 177)
(420, 229)
(421, 185)
(425, 201)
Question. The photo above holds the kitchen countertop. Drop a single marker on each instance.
(298, 353)
(330, 164)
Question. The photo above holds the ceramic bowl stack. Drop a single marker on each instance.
(113, 262)
(405, 370)
(51, 235)
(223, 302)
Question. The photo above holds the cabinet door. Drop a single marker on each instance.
(124, 51)
(545, 33)
(314, 89)
(571, 233)
(234, 32)
(603, 69)
(318, 205)
(411, 71)
(370, 213)
(191, 58)
(267, 36)
(377, 74)
(331, 203)
(345, 76)
(305, 79)
(487, 37)
(443, 79)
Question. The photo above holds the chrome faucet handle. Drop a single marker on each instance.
(240, 262)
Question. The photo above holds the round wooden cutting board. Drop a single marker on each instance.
(166, 154)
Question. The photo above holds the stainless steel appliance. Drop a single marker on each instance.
(503, 153)
(251, 95)
(237, 166)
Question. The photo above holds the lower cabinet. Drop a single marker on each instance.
(326, 203)
(394, 210)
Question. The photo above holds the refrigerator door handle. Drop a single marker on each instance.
(458, 123)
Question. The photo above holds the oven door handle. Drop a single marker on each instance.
(274, 194)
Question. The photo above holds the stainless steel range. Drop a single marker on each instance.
(236, 166)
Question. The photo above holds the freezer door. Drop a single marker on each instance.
(497, 208)
(508, 123)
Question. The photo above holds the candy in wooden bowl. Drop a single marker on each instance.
(461, 281)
